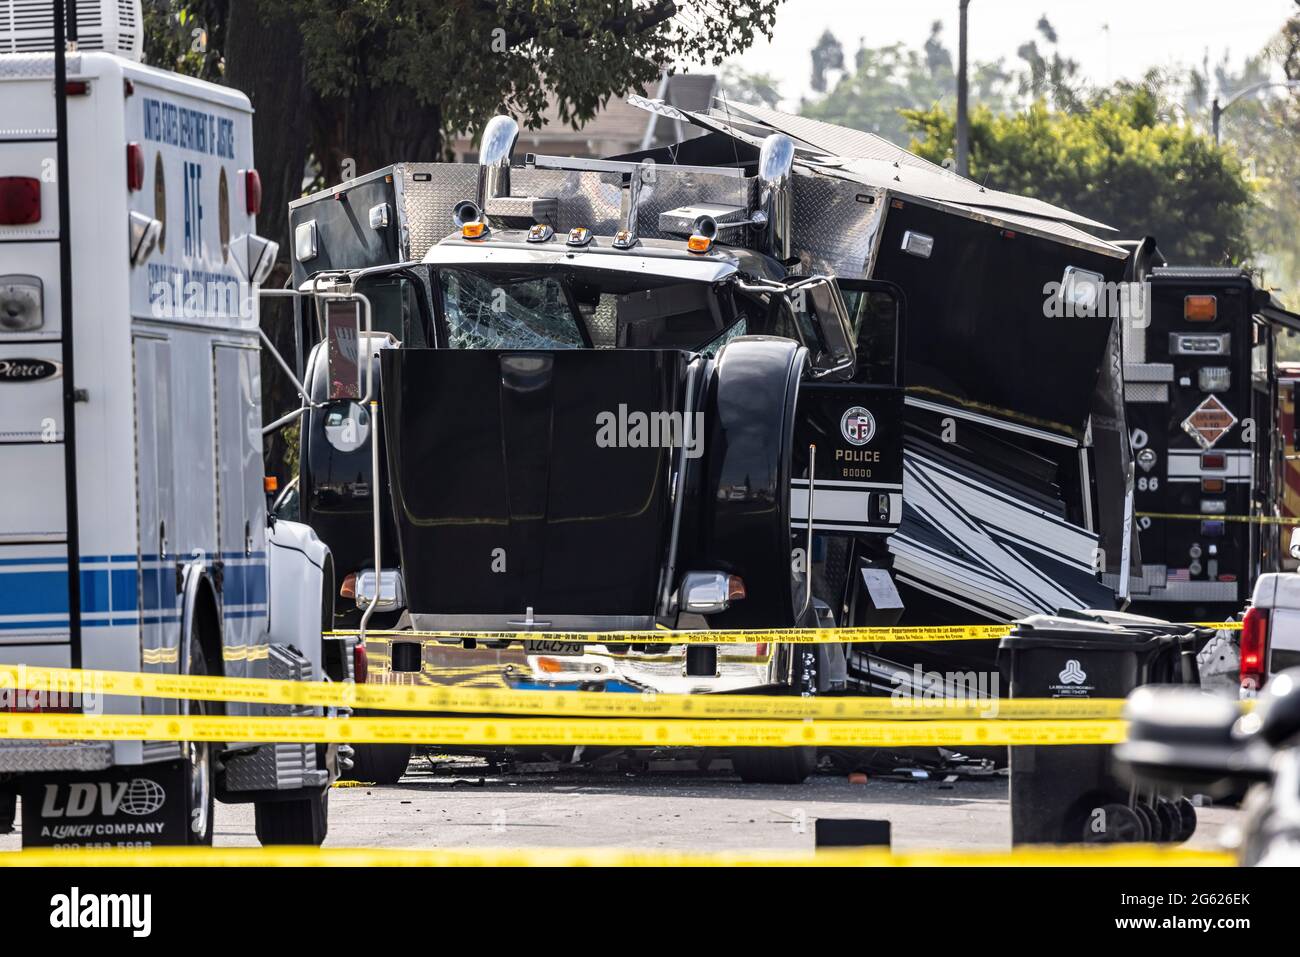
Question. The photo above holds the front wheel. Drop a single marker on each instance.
(198, 763)
(774, 765)
(301, 821)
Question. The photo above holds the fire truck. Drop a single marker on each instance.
(134, 533)
(1205, 418)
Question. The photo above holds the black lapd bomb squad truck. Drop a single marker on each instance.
(665, 390)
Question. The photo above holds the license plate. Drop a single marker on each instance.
(545, 646)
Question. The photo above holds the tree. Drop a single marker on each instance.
(891, 78)
(743, 86)
(397, 77)
(356, 84)
(1115, 160)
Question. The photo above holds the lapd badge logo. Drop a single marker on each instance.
(857, 425)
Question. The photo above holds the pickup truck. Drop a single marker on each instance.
(1270, 633)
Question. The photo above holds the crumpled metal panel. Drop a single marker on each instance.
(836, 225)
(27, 756)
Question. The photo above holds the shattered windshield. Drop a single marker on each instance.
(546, 308)
(502, 312)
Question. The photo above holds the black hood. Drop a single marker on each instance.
(519, 479)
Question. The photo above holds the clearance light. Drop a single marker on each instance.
(360, 663)
(1200, 308)
(474, 230)
(252, 192)
(1214, 378)
(579, 236)
(539, 233)
(349, 587)
(134, 167)
(699, 244)
(270, 484)
(20, 200)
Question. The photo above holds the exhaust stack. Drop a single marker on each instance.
(776, 195)
(494, 159)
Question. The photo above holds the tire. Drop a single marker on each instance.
(1123, 825)
(302, 822)
(774, 765)
(199, 765)
(378, 763)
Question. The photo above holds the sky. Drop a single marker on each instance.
(1111, 39)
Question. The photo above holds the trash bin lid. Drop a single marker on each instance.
(1154, 626)
(1057, 631)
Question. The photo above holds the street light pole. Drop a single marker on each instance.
(1217, 111)
(963, 120)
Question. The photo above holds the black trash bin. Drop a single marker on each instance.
(1067, 794)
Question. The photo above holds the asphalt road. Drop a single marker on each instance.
(466, 803)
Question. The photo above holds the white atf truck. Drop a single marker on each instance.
(133, 521)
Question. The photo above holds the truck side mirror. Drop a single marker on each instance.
(823, 321)
(342, 343)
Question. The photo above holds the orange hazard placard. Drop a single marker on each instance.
(1209, 422)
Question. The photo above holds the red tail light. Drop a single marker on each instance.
(252, 192)
(360, 663)
(20, 200)
(1254, 648)
(134, 167)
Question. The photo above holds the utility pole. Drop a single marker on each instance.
(963, 120)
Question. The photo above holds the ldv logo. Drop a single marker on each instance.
(139, 798)
(1073, 673)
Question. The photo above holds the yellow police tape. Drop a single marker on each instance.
(455, 699)
(1123, 855)
(615, 732)
(664, 637)
(1250, 519)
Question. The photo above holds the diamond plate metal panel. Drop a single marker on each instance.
(426, 195)
(279, 767)
(836, 225)
(673, 188)
(34, 66)
(1146, 392)
(28, 756)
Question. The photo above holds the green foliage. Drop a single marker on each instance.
(184, 36)
(1116, 161)
(475, 58)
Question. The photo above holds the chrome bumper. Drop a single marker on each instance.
(657, 668)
